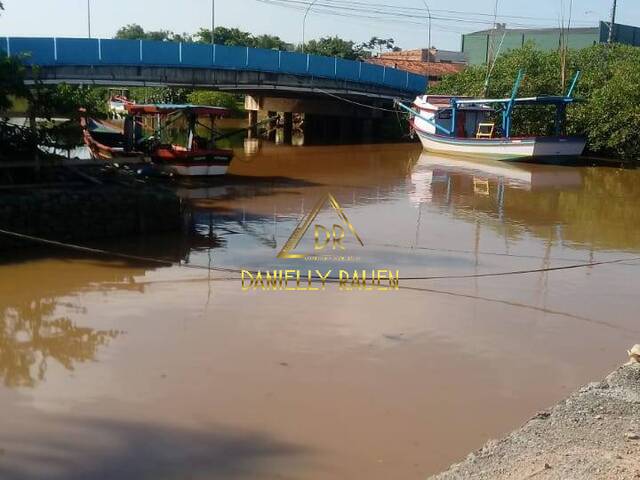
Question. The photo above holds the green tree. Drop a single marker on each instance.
(240, 38)
(66, 100)
(271, 42)
(12, 85)
(214, 99)
(159, 94)
(225, 36)
(610, 116)
(334, 47)
(379, 46)
(134, 31)
(130, 32)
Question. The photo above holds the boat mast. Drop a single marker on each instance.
(508, 108)
(561, 108)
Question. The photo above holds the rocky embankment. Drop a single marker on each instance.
(593, 434)
(87, 212)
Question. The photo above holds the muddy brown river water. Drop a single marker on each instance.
(122, 369)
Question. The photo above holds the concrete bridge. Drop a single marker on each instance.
(331, 92)
(220, 67)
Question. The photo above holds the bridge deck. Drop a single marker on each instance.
(61, 53)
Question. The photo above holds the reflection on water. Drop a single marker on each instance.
(212, 382)
(36, 309)
(32, 335)
(587, 207)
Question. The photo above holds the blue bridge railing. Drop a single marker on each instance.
(49, 52)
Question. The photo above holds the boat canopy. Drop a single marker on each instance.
(153, 109)
(540, 100)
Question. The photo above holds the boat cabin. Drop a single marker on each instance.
(471, 120)
(468, 117)
(189, 128)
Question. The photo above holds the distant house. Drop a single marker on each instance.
(432, 62)
(480, 47)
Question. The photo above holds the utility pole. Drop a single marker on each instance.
(89, 17)
(612, 22)
(213, 19)
(428, 35)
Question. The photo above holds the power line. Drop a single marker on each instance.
(449, 25)
(401, 14)
(367, 6)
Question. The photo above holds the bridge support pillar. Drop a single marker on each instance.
(252, 124)
(325, 121)
(288, 128)
(367, 130)
(271, 136)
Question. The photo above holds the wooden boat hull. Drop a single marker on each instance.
(208, 163)
(190, 170)
(108, 144)
(504, 148)
(101, 152)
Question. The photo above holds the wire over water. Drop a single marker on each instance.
(336, 280)
(166, 262)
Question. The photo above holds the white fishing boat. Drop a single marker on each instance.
(466, 126)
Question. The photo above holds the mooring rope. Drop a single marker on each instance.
(372, 107)
(110, 253)
(231, 270)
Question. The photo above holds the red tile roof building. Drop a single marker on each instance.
(434, 63)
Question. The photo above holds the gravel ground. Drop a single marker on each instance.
(593, 434)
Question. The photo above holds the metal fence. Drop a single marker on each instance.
(48, 52)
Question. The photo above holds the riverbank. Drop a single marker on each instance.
(593, 434)
(86, 208)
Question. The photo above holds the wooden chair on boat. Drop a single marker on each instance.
(485, 130)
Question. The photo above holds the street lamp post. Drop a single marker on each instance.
(213, 19)
(304, 21)
(89, 17)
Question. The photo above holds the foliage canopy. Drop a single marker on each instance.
(221, 36)
(334, 47)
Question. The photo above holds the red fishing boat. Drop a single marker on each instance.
(177, 139)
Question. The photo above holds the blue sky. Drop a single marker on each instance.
(68, 18)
